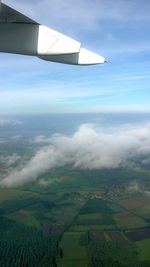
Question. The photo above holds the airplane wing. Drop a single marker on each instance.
(21, 35)
(9, 15)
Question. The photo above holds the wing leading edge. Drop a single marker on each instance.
(10, 15)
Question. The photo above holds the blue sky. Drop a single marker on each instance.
(118, 30)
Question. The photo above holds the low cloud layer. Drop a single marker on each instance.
(11, 160)
(8, 122)
(90, 147)
(137, 187)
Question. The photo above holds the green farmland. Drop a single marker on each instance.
(73, 226)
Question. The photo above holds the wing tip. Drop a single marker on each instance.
(87, 57)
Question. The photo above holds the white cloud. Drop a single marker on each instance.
(2, 140)
(5, 122)
(136, 186)
(13, 159)
(88, 148)
(45, 183)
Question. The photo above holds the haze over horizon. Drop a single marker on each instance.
(117, 30)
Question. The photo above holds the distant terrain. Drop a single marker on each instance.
(75, 194)
(78, 220)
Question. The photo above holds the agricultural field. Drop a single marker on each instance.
(74, 254)
(97, 235)
(115, 208)
(116, 236)
(89, 216)
(6, 194)
(113, 253)
(127, 220)
(140, 204)
(107, 236)
(143, 249)
(82, 228)
(29, 218)
(74, 224)
(138, 234)
(25, 217)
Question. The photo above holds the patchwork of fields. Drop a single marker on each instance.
(112, 228)
(73, 228)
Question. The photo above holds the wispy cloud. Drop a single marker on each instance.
(10, 160)
(5, 122)
(90, 147)
(96, 10)
(130, 77)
